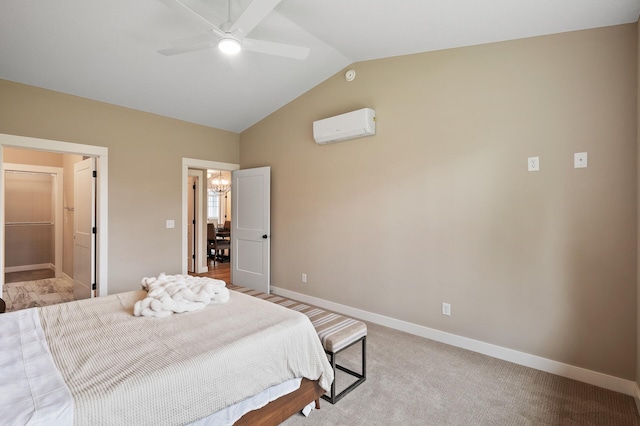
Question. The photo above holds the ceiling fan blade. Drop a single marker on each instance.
(253, 15)
(277, 49)
(206, 17)
(191, 44)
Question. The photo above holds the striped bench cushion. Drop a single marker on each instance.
(335, 331)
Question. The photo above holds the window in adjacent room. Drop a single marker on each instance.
(218, 187)
(213, 207)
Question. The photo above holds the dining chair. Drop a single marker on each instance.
(217, 246)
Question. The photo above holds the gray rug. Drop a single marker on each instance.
(28, 294)
(416, 381)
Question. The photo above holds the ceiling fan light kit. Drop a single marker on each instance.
(229, 45)
(230, 35)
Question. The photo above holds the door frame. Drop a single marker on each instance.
(198, 215)
(57, 204)
(194, 163)
(102, 205)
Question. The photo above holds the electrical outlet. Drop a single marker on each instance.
(533, 164)
(446, 309)
(304, 278)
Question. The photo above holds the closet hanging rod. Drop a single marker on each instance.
(27, 223)
(27, 172)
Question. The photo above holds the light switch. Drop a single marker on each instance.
(171, 223)
(580, 160)
(533, 164)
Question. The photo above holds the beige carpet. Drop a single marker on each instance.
(27, 294)
(416, 381)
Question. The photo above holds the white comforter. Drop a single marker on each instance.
(32, 391)
(123, 369)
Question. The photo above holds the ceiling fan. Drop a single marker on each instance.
(230, 36)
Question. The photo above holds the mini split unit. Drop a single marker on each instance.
(354, 124)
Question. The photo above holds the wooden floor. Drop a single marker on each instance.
(217, 270)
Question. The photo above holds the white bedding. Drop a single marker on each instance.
(228, 416)
(136, 370)
(32, 391)
(169, 294)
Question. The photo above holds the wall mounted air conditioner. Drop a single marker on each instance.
(354, 124)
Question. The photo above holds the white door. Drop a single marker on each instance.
(250, 228)
(191, 224)
(84, 237)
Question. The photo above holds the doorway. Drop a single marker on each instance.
(193, 218)
(192, 165)
(218, 213)
(33, 246)
(33, 218)
(101, 156)
(48, 259)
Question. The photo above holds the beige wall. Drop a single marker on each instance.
(33, 158)
(638, 276)
(438, 206)
(145, 160)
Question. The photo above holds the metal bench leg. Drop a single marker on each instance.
(361, 377)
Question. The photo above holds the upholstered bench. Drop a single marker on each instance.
(336, 332)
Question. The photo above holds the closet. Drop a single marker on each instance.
(29, 221)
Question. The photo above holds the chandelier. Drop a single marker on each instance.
(218, 184)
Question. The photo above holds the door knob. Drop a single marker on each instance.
(264, 236)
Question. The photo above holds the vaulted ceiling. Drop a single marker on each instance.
(108, 50)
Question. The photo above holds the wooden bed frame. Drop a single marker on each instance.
(282, 408)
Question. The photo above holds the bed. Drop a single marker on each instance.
(184, 369)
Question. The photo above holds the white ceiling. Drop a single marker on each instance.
(107, 50)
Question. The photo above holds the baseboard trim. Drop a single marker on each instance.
(67, 278)
(595, 378)
(23, 268)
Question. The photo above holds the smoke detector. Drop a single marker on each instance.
(350, 75)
